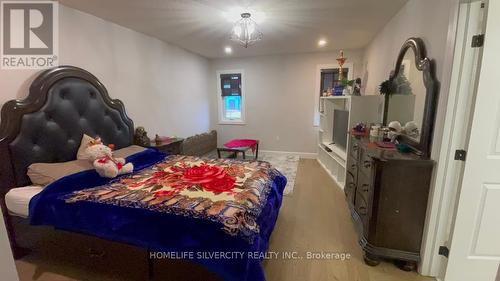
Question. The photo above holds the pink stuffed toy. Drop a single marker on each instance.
(104, 162)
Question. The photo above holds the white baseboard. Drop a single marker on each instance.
(307, 155)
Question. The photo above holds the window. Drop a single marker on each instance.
(232, 108)
(231, 97)
(330, 78)
(327, 77)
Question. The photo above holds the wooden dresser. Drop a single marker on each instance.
(387, 194)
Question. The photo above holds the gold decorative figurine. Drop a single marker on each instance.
(341, 60)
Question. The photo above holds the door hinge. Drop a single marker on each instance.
(444, 251)
(477, 41)
(460, 154)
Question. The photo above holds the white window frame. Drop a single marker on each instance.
(222, 120)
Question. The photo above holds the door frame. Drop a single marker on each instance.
(475, 252)
(441, 209)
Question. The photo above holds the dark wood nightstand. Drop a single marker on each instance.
(171, 146)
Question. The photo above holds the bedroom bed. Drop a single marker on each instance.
(169, 204)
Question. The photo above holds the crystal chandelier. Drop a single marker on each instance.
(245, 31)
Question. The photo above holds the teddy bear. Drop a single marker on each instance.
(104, 162)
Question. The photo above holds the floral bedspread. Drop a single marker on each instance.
(229, 192)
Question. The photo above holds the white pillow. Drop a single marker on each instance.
(81, 155)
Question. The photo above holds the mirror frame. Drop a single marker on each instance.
(427, 67)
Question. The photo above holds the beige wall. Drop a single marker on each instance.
(164, 87)
(427, 19)
(280, 93)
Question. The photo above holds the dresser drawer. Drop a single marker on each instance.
(352, 167)
(354, 147)
(365, 187)
(363, 211)
(350, 188)
(361, 205)
(365, 163)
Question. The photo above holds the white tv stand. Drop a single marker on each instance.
(367, 109)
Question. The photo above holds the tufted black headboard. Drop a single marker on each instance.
(46, 127)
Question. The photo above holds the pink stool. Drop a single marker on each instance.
(240, 145)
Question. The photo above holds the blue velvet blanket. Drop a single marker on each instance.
(203, 241)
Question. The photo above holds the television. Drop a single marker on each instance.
(340, 128)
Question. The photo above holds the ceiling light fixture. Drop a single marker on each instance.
(322, 43)
(245, 31)
(228, 50)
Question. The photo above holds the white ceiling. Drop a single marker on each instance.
(289, 26)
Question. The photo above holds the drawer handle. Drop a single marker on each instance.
(365, 187)
(355, 147)
(353, 166)
(351, 184)
(367, 164)
(362, 210)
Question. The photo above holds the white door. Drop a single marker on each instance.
(475, 245)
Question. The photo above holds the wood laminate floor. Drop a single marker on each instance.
(314, 219)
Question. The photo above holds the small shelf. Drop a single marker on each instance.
(341, 184)
(336, 97)
(337, 159)
(336, 150)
